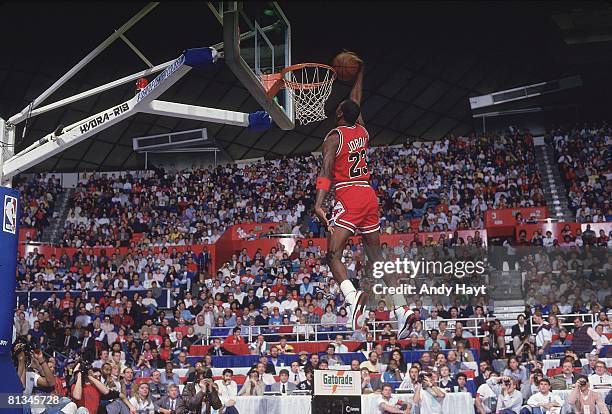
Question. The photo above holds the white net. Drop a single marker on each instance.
(310, 86)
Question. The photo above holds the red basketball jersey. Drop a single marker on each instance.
(351, 165)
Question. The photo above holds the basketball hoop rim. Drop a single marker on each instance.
(275, 81)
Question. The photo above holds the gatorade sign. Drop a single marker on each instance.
(331, 382)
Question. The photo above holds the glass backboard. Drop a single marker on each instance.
(257, 40)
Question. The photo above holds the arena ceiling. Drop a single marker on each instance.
(423, 62)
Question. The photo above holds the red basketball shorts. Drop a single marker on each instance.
(356, 209)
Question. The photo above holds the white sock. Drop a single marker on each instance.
(348, 290)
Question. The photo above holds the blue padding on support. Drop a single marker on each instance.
(200, 57)
(9, 233)
(259, 121)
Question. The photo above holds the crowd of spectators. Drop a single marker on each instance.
(266, 302)
(37, 193)
(584, 154)
(111, 344)
(447, 185)
(450, 183)
(562, 278)
(188, 207)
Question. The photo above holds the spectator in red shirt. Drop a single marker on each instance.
(166, 349)
(65, 302)
(381, 314)
(235, 338)
(121, 319)
(88, 393)
(182, 327)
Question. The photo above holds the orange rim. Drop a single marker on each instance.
(272, 83)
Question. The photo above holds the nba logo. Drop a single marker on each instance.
(9, 224)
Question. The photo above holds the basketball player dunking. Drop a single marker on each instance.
(345, 167)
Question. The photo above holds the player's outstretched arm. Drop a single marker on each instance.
(358, 86)
(356, 92)
(330, 147)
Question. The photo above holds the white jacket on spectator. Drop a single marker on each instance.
(536, 400)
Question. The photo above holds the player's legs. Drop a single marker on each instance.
(371, 242)
(354, 298)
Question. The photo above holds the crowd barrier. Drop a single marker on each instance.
(26, 297)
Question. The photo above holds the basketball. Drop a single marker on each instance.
(346, 65)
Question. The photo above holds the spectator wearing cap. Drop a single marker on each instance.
(272, 302)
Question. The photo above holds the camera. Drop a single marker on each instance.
(422, 376)
(505, 381)
(20, 345)
(85, 364)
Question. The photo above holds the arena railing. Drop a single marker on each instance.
(472, 325)
(317, 331)
(567, 320)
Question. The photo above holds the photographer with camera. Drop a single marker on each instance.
(584, 400)
(526, 349)
(509, 399)
(90, 392)
(486, 396)
(37, 378)
(427, 396)
(88, 389)
(533, 386)
(202, 395)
